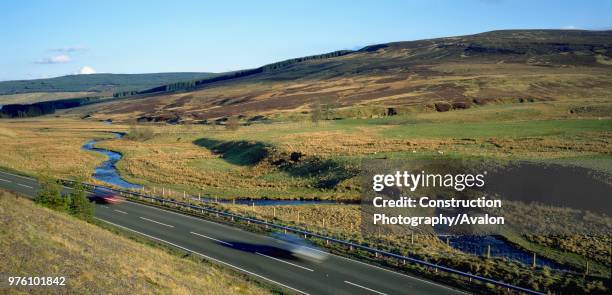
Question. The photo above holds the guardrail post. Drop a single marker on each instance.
(412, 238)
(488, 251)
(534, 260)
(326, 242)
(274, 211)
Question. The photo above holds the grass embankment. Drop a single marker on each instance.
(36, 241)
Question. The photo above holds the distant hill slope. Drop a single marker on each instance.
(520, 65)
(96, 82)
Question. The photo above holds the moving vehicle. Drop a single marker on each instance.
(105, 196)
(300, 247)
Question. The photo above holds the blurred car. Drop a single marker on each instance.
(300, 247)
(105, 196)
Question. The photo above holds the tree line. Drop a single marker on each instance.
(42, 108)
(189, 85)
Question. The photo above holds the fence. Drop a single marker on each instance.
(348, 244)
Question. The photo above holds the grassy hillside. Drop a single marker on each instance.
(33, 97)
(95, 83)
(96, 261)
(460, 72)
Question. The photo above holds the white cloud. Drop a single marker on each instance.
(570, 28)
(69, 49)
(86, 70)
(57, 59)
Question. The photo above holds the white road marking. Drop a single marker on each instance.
(151, 220)
(391, 271)
(104, 206)
(123, 212)
(204, 236)
(5, 180)
(345, 258)
(205, 256)
(24, 185)
(283, 261)
(365, 288)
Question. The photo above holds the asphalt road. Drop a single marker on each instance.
(257, 255)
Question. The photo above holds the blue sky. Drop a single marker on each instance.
(54, 38)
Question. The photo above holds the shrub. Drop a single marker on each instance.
(80, 206)
(50, 194)
(442, 106)
(461, 105)
(142, 133)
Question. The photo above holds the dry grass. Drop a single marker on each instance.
(523, 131)
(95, 261)
(50, 145)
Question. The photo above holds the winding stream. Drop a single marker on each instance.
(107, 171)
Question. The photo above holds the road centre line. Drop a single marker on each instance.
(123, 212)
(207, 237)
(365, 288)
(151, 220)
(389, 270)
(283, 261)
(205, 256)
(339, 256)
(24, 185)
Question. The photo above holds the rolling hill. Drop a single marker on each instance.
(435, 74)
(96, 82)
